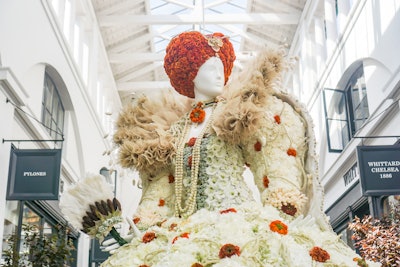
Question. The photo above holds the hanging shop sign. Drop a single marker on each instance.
(379, 170)
(34, 174)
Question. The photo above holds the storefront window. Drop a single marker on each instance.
(10, 223)
(345, 234)
(30, 217)
(48, 229)
(21, 216)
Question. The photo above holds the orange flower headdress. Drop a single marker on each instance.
(188, 51)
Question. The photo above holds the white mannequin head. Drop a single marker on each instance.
(209, 80)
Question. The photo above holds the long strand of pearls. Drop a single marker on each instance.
(191, 201)
(179, 169)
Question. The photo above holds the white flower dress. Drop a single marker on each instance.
(256, 127)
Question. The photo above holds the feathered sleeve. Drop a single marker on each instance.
(146, 144)
(247, 98)
(142, 132)
(276, 135)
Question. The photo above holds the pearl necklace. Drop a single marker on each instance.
(180, 209)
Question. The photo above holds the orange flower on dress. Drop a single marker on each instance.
(144, 265)
(228, 210)
(161, 202)
(171, 178)
(265, 181)
(277, 119)
(136, 220)
(148, 237)
(190, 158)
(279, 227)
(183, 235)
(319, 254)
(257, 146)
(192, 141)
(197, 115)
(197, 265)
(228, 250)
(292, 152)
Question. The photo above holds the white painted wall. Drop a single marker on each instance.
(364, 30)
(32, 37)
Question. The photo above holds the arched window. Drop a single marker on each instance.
(346, 109)
(52, 109)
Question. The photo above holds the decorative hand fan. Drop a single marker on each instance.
(90, 206)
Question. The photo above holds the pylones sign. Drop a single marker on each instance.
(34, 174)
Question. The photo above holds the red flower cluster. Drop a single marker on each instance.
(148, 237)
(197, 115)
(319, 254)
(190, 158)
(187, 52)
(277, 119)
(161, 202)
(228, 210)
(257, 146)
(228, 250)
(197, 265)
(183, 235)
(192, 141)
(265, 181)
(171, 178)
(289, 209)
(292, 152)
(136, 220)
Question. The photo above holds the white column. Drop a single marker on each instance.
(7, 117)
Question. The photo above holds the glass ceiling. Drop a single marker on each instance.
(197, 8)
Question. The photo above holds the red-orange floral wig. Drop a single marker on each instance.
(188, 51)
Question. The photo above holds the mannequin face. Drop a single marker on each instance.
(209, 80)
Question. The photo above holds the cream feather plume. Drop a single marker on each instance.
(91, 207)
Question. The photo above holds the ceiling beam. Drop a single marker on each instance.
(251, 38)
(253, 19)
(140, 86)
(275, 6)
(138, 57)
(121, 6)
(142, 71)
(132, 42)
(185, 5)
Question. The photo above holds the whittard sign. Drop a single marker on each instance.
(34, 174)
(379, 170)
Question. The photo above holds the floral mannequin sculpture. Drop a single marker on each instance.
(196, 209)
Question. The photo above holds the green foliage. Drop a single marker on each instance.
(11, 257)
(40, 250)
